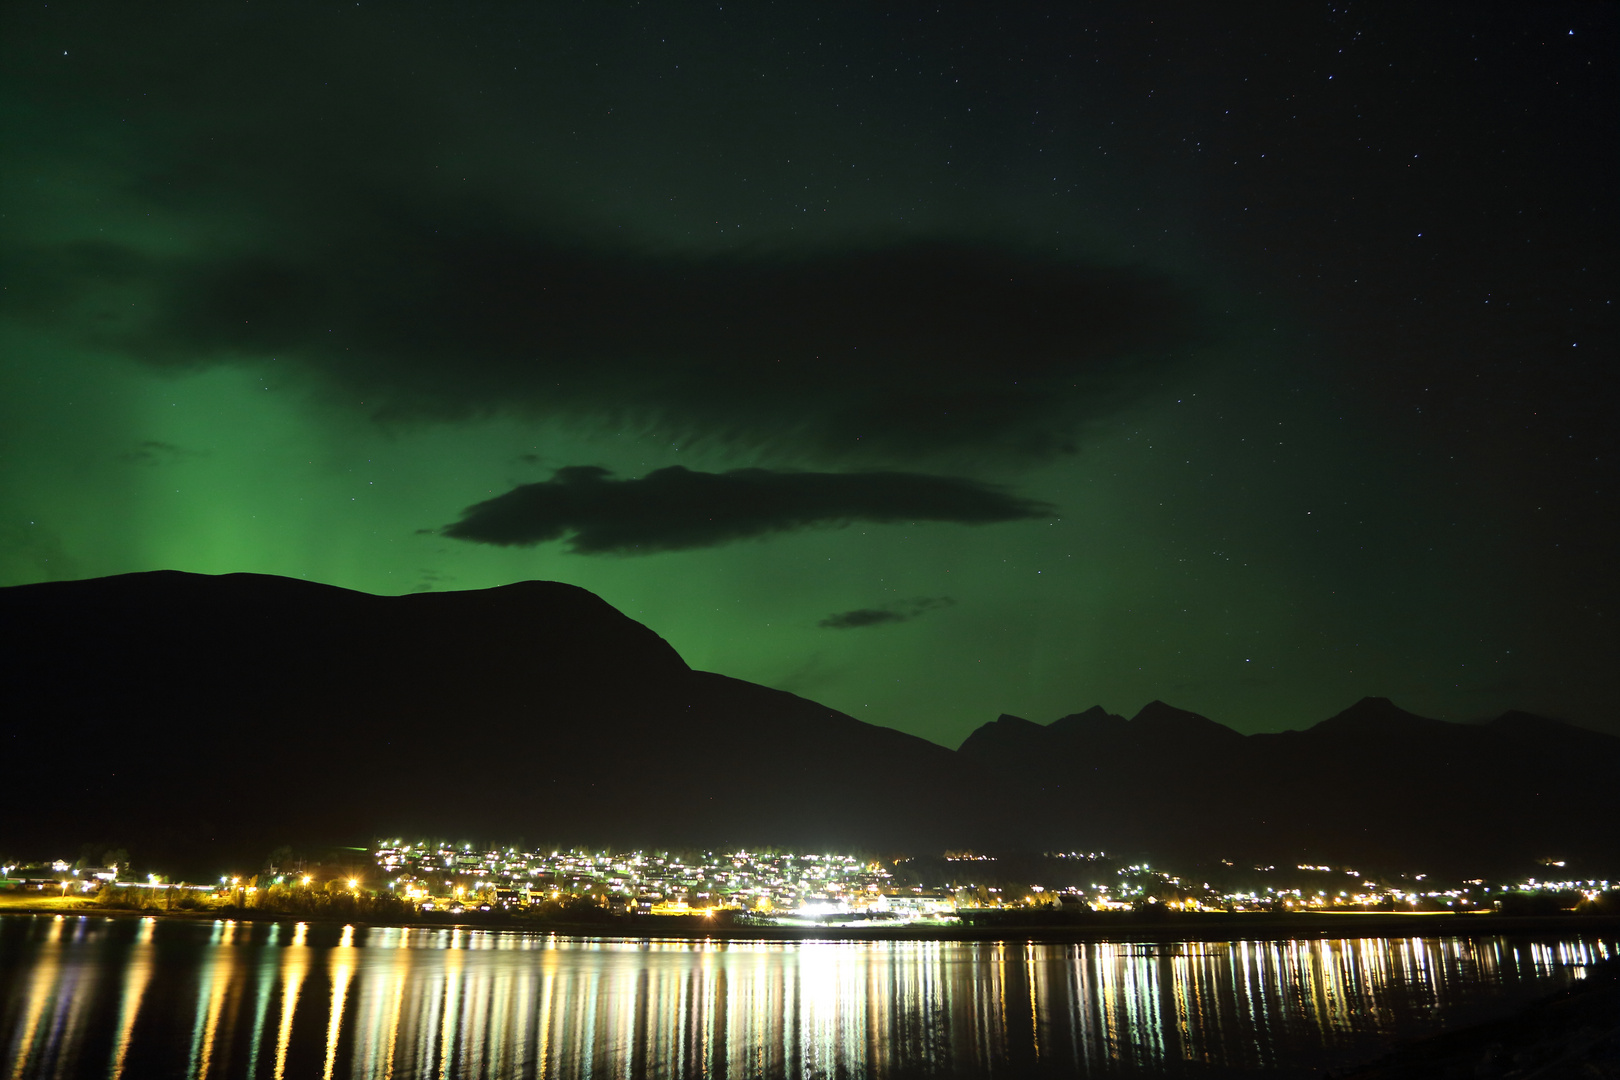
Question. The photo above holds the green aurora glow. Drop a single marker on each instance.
(1260, 522)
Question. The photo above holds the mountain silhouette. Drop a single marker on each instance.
(197, 720)
(1374, 784)
(182, 714)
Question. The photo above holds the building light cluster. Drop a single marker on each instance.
(782, 886)
(821, 888)
(788, 887)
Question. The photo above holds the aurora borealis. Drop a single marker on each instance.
(929, 364)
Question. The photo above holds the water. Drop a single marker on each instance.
(139, 998)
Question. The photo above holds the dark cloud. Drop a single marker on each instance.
(675, 508)
(849, 620)
(30, 551)
(382, 225)
(890, 613)
(153, 452)
(429, 580)
(908, 349)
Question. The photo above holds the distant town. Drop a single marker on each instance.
(788, 886)
(437, 879)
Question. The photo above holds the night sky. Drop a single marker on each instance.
(930, 362)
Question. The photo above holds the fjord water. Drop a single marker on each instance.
(137, 998)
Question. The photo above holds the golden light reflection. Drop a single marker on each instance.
(137, 974)
(294, 965)
(406, 1003)
(342, 967)
(40, 994)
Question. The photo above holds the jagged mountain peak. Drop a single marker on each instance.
(1013, 721)
(1004, 732)
(1376, 715)
(1158, 718)
(1091, 719)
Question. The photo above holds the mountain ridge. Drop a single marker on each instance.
(188, 713)
(1373, 783)
(1382, 712)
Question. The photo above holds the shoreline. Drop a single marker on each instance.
(1210, 927)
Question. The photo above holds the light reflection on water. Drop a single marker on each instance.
(136, 998)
